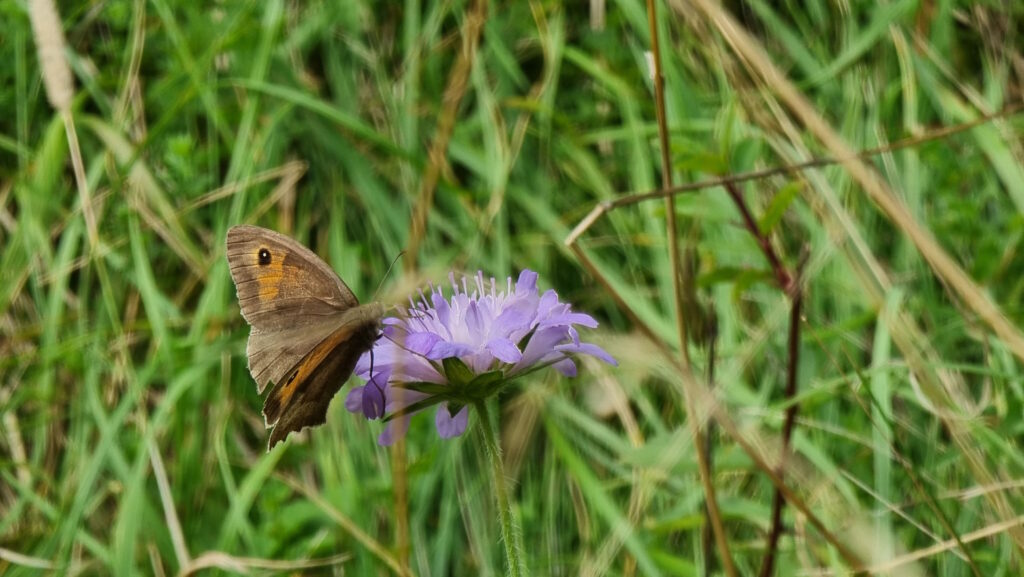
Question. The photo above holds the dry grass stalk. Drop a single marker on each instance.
(49, 36)
(943, 386)
(60, 90)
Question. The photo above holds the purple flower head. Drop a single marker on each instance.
(452, 352)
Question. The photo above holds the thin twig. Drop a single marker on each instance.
(60, 90)
(81, 181)
(664, 192)
(22, 560)
(455, 90)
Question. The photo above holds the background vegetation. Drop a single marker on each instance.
(130, 435)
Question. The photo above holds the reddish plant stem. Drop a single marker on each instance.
(768, 564)
(781, 275)
(791, 287)
(706, 535)
(721, 416)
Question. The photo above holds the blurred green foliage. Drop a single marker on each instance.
(127, 416)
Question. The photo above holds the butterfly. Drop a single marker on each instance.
(308, 329)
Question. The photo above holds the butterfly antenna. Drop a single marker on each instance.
(381, 283)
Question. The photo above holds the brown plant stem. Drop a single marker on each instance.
(792, 363)
(724, 420)
(714, 517)
(706, 536)
(791, 287)
(458, 82)
(782, 276)
(399, 460)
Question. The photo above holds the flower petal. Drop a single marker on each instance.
(480, 361)
(474, 321)
(444, 312)
(445, 350)
(540, 344)
(387, 355)
(373, 401)
(449, 426)
(408, 368)
(547, 302)
(566, 366)
(354, 400)
(516, 316)
(421, 342)
(569, 318)
(416, 369)
(504, 350)
(589, 349)
(527, 282)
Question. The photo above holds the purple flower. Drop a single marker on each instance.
(454, 352)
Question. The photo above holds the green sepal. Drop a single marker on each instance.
(457, 373)
(487, 379)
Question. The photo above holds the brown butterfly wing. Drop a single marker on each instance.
(292, 299)
(302, 399)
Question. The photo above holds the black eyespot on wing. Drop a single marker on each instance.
(264, 256)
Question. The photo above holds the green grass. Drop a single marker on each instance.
(131, 440)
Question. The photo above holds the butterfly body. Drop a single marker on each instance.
(308, 329)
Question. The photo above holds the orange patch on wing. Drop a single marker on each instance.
(311, 361)
(269, 278)
(286, 392)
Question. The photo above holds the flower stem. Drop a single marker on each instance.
(511, 533)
